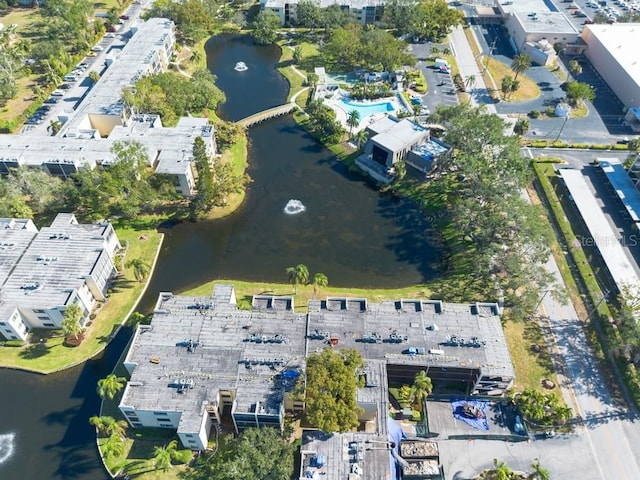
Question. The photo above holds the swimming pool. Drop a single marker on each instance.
(366, 109)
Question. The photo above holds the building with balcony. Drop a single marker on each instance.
(202, 360)
(87, 136)
(43, 272)
(365, 12)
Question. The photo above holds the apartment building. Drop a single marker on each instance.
(43, 272)
(365, 12)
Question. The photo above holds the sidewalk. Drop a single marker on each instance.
(469, 67)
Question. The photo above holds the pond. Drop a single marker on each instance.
(347, 229)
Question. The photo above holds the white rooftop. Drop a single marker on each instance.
(621, 41)
(134, 61)
(604, 236)
(545, 22)
(401, 134)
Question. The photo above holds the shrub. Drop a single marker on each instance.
(535, 113)
(550, 111)
(181, 457)
(600, 146)
(580, 145)
(559, 144)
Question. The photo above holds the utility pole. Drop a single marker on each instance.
(566, 117)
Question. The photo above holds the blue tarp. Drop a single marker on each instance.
(395, 435)
(478, 423)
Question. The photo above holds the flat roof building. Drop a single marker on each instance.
(88, 134)
(44, 272)
(202, 358)
(529, 21)
(611, 49)
(365, 12)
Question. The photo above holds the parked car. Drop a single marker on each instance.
(580, 14)
(57, 93)
(124, 17)
(112, 29)
(92, 54)
(65, 86)
(52, 100)
(97, 48)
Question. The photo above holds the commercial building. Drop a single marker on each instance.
(365, 12)
(43, 272)
(530, 21)
(611, 49)
(202, 359)
(87, 136)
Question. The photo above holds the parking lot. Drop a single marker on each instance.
(75, 85)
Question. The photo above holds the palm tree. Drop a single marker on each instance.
(575, 68)
(71, 321)
(140, 269)
(298, 274)
(162, 455)
(108, 425)
(319, 280)
(114, 446)
(421, 389)
(521, 63)
(470, 81)
(109, 386)
(353, 120)
(361, 137)
(539, 473)
(502, 471)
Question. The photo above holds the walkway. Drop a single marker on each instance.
(469, 67)
(267, 114)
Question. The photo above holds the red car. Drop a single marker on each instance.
(111, 29)
(124, 17)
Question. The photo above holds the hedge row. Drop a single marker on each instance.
(612, 335)
(583, 146)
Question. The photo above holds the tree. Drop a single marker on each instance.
(94, 76)
(140, 269)
(114, 446)
(162, 456)
(577, 91)
(256, 454)
(297, 54)
(298, 274)
(539, 473)
(421, 389)
(109, 386)
(521, 63)
(521, 127)
(265, 27)
(312, 79)
(319, 280)
(204, 198)
(501, 471)
(575, 68)
(334, 16)
(508, 86)
(309, 13)
(353, 120)
(400, 15)
(108, 425)
(434, 19)
(470, 81)
(542, 409)
(634, 144)
(331, 389)
(71, 321)
(361, 137)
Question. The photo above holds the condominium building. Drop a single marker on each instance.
(202, 359)
(87, 135)
(43, 272)
(365, 12)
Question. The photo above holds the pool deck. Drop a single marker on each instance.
(342, 114)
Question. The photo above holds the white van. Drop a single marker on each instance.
(441, 64)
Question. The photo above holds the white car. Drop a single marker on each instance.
(97, 48)
(57, 93)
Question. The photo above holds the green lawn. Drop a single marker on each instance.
(50, 354)
(528, 88)
(237, 156)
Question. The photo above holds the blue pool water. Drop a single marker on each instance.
(366, 109)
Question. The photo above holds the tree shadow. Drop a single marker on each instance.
(106, 338)
(35, 350)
